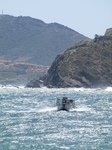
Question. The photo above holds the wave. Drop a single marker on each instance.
(58, 90)
(12, 86)
(109, 89)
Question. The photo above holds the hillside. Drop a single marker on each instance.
(86, 64)
(26, 39)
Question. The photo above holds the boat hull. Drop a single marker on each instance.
(63, 107)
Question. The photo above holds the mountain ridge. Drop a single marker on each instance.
(32, 40)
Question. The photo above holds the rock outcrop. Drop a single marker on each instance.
(108, 32)
(33, 84)
(86, 64)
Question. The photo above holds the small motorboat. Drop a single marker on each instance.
(65, 104)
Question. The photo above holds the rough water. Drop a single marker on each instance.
(29, 119)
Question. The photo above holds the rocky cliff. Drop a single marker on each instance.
(86, 64)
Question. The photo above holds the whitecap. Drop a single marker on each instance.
(108, 89)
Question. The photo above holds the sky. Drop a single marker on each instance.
(88, 17)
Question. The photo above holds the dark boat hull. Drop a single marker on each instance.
(63, 107)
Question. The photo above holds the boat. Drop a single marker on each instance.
(65, 104)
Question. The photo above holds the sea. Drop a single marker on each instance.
(29, 119)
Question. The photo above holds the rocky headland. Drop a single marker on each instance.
(85, 64)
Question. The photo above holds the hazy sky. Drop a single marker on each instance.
(88, 17)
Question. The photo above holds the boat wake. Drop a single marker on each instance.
(77, 109)
(81, 109)
(47, 109)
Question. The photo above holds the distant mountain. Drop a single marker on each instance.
(86, 64)
(25, 39)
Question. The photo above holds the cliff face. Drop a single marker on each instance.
(86, 64)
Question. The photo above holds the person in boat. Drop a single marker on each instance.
(64, 100)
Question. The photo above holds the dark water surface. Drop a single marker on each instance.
(29, 119)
